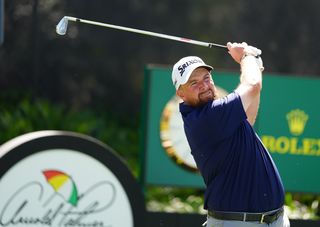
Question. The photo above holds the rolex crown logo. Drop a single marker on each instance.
(297, 120)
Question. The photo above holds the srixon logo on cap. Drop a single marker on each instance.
(182, 68)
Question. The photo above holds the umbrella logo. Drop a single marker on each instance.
(62, 185)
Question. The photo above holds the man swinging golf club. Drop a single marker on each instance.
(243, 185)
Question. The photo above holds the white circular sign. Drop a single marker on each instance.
(65, 180)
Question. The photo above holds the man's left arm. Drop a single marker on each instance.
(253, 108)
(251, 77)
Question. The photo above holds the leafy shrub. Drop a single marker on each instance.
(34, 115)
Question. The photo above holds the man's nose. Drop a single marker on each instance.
(203, 86)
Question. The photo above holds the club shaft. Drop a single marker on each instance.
(143, 32)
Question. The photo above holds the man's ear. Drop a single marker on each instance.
(180, 93)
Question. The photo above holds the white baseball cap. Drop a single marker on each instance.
(183, 69)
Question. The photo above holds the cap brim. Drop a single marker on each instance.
(208, 67)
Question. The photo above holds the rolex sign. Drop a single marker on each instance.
(288, 124)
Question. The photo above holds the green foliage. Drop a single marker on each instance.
(302, 206)
(182, 200)
(168, 199)
(32, 115)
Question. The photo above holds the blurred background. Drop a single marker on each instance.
(91, 80)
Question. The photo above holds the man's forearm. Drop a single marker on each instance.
(251, 76)
(250, 71)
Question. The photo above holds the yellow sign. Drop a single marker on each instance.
(295, 145)
(292, 145)
(297, 120)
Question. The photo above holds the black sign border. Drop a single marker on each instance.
(25, 145)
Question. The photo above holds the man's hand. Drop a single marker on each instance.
(239, 51)
(236, 50)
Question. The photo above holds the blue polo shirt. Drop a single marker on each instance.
(238, 171)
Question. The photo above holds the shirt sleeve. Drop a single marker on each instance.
(220, 118)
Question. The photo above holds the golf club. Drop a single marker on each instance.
(62, 26)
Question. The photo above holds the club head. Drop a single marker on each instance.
(62, 26)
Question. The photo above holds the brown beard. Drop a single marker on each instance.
(202, 102)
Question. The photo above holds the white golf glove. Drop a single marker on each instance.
(253, 51)
(250, 50)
